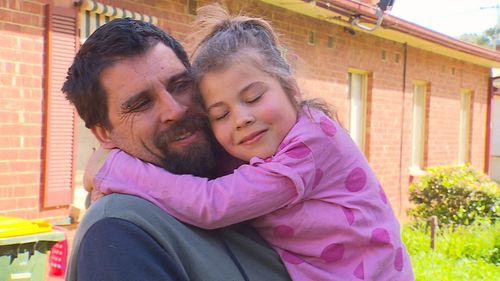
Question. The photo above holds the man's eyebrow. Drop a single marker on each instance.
(184, 75)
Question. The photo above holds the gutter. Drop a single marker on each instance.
(367, 12)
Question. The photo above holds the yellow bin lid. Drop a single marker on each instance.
(10, 227)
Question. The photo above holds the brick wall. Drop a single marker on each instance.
(21, 102)
(322, 72)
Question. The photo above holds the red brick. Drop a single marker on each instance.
(9, 179)
(10, 142)
(24, 191)
(7, 204)
(26, 154)
(32, 8)
(22, 202)
(24, 166)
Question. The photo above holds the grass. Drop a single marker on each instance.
(465, 253)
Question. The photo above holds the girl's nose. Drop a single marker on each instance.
(244, 118)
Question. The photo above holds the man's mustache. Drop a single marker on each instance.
(189, 124)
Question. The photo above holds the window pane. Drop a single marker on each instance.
(357, 93)
(419, 108)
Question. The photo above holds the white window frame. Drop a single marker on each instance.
(464, 138)
(419, 127)
(358, 93)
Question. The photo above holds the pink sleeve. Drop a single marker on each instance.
(250, 192)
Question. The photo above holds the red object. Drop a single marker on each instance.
(58, 258)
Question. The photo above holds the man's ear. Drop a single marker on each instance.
(103, 135)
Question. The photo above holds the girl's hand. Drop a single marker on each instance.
(95, 194)
(93, 166)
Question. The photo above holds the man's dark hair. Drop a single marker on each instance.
(119, 39)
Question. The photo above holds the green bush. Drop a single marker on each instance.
(457, 195)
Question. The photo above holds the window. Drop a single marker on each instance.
(465, 127)
(397, 58)
(358, 88)
(419, 124)
(329, 42)
(311, 38)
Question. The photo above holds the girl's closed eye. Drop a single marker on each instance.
(217, 115)
(254, 92)
(254, 98)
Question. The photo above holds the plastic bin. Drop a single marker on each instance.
(23, 248)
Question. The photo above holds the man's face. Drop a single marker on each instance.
(152, 114)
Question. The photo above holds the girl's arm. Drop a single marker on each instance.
(250, 192)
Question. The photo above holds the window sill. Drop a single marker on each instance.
(416, 171)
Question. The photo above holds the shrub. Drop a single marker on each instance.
(457, 195)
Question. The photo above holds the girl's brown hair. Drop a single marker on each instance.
(228, 39)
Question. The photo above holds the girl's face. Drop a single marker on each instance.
(248, 109)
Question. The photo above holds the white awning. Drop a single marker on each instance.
(94, 14)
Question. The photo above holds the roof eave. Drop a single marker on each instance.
(341, 12)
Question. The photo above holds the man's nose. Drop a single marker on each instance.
(170, 108)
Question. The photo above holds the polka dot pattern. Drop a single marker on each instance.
(333, 252)
(291, 258)
(327, 127)
(349, 215)
(299, 152)
(380, 236)
(398, 260)
(359, 272)
(356, 180)
(283, 231)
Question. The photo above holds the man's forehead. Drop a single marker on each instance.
(130, 75)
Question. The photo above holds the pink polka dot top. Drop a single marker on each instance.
(316, 201)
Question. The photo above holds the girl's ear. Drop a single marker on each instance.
(103, 135)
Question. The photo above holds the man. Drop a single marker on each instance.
(129, 83)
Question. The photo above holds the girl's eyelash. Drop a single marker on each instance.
(256, 98)
(222, 116)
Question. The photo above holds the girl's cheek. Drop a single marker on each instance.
(220, 133)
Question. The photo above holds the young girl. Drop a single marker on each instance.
(307, 188)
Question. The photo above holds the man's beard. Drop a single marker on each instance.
(198, 158)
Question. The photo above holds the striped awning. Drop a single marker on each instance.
(94, 14)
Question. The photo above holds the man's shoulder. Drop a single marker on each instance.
(119, 206)
(131, 208)
(105, 211)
